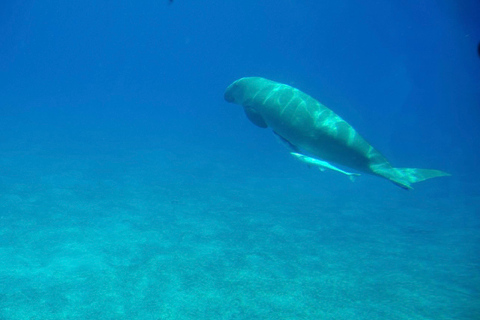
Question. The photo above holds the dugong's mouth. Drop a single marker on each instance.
(228, 96)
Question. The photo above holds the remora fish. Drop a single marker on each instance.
(322, 165)
(308, 125)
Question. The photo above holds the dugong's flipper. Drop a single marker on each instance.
(322, 165)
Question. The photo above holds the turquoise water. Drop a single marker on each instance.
(156, 234)
(130, 189)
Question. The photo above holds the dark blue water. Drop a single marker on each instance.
(129, 189)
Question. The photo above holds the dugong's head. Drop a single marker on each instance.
(242, 89)
(243, 92)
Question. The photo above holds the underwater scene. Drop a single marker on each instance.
(254, 159)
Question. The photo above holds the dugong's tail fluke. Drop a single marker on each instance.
(404, 177)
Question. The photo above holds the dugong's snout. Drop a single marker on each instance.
(237, 92)
(229, 93)
(228, 96)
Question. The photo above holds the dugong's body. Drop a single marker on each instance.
(310, 126)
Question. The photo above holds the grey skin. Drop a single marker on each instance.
(309, 126)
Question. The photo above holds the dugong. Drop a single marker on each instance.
(308, 126)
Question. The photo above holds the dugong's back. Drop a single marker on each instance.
(304, 122)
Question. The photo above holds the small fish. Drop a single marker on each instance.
(322, 165)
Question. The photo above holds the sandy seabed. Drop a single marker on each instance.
(161, 235)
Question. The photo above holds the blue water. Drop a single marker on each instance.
(129, 189)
